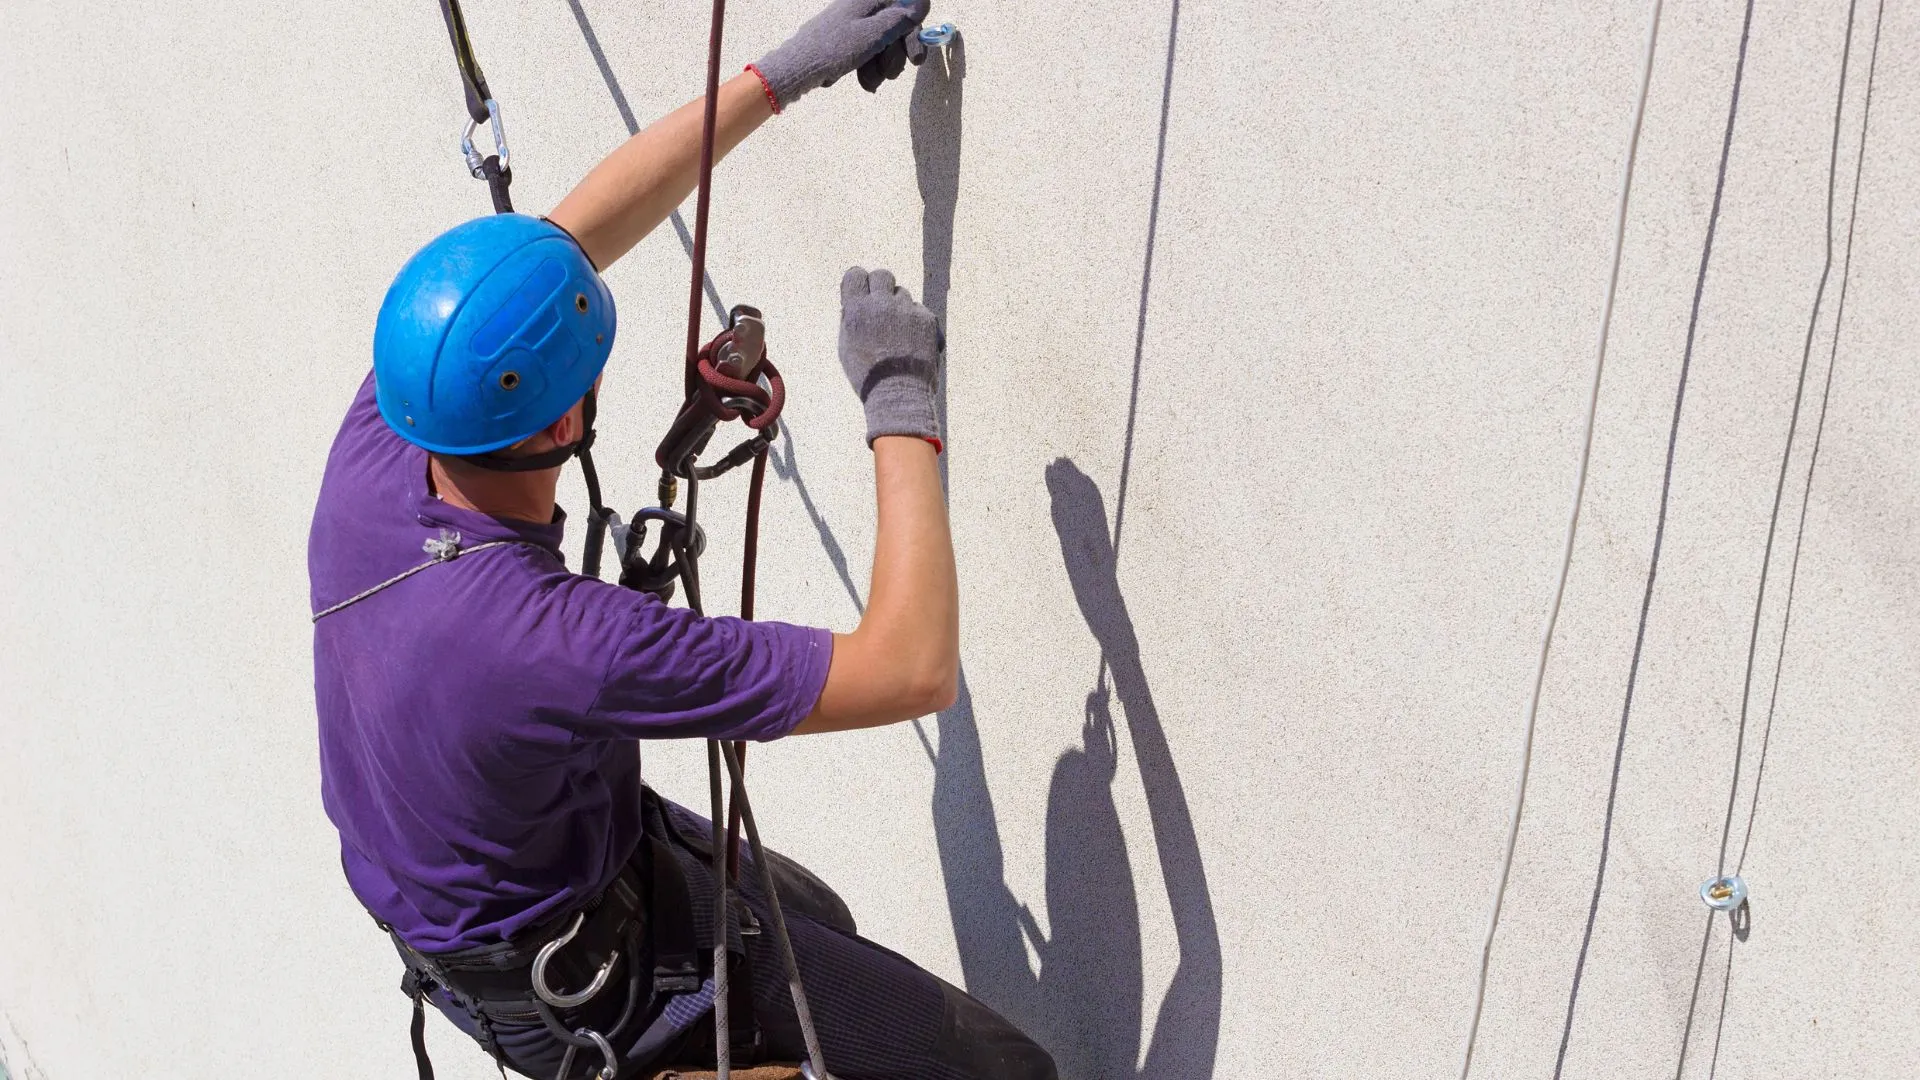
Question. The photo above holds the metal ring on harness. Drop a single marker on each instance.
(475, 161)
(611, 1068)
(545, 955)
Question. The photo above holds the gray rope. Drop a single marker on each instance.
(1566, 549)
(1659, 539)
(816, 1061)
(444, 548)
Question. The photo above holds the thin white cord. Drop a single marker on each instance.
(1573, 528)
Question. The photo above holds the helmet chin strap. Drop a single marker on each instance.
(598, 515)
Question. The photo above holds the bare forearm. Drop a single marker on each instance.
(904, 659)
(633, 190)
(915, 597)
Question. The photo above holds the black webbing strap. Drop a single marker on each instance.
(497, 180)
(472, 79)
(676, 952)
(473, 84)
(416, 988)
(742, 1017)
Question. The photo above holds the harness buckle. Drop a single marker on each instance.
(541, 959)
(475, 160)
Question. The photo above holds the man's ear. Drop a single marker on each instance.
(566, 430)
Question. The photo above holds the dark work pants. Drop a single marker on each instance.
(879, 1016)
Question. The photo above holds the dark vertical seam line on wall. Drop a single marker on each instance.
(1659, 536)
(1786, 452)
(1819, 430)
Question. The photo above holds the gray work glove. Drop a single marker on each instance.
(874, 36)
(890, 350)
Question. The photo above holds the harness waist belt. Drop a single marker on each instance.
(503, 973)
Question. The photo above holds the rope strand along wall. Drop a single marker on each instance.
(1659, 536)
(1572, 534)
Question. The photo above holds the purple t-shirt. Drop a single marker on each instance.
(477, 720)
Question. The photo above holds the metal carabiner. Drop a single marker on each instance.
(611, 1068)
(545, 956)
(475, 160)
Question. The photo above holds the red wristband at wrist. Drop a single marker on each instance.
(766, 88)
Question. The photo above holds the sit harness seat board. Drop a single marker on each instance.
(477, 732)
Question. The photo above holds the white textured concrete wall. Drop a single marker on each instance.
(1325, 322)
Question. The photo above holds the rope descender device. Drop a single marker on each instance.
(1724, 893)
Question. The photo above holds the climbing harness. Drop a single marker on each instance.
(729, 378)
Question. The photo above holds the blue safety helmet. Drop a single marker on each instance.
(489, 334)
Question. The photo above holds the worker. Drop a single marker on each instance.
(479, 711)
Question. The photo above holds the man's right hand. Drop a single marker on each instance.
(875, 36)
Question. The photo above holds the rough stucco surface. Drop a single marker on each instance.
(1265, 844)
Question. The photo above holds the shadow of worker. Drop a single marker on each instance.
(1091, 982)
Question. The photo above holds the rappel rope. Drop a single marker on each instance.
(1659, 538)
(1819, 430)
(713, 394)
(494, 168)
(733, 754)
(1572, 533)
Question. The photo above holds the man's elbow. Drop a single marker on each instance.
(936, 688)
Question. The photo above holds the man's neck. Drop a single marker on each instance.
(523, 496)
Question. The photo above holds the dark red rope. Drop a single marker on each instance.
(703, 382)
(710, 383)
(709, 120)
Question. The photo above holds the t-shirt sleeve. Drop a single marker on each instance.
(680, 675)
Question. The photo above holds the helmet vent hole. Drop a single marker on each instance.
(509, 380)
(580, 301)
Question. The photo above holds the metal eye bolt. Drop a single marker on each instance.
(1724, 893)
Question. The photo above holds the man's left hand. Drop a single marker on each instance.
(875, 37)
